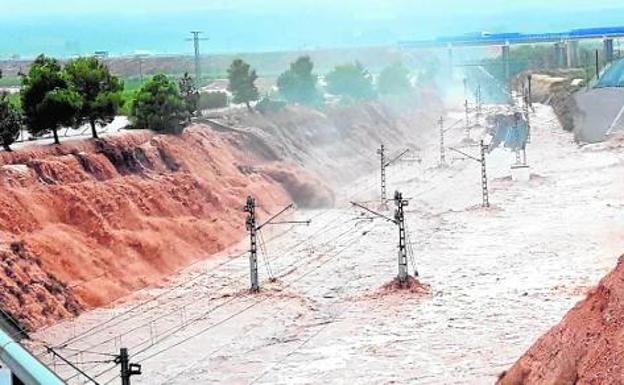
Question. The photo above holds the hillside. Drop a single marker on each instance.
(585, 348)
(88, 222)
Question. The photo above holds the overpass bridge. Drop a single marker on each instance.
(566, 44)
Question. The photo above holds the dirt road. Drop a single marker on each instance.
(498, 278)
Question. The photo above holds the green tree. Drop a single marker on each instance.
(241, 83)
(99, 90)
(189, 93)
(47, 99)
(10, 122)
(298, 83)
(351, 80)
(212, 100)
(394, 80)
(159, 106)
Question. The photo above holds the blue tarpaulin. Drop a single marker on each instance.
(613, 76)
(511, 131)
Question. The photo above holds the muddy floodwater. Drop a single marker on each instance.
(497, 279)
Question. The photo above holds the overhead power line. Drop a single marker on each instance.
(246, 308)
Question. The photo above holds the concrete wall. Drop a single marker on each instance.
(597, 109)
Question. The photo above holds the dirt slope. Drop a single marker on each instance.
(340, 143)
(498, 277)
(88, 222)
(587, 347)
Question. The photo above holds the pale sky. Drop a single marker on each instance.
(72, 27)
(263, 6)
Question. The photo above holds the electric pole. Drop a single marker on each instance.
(484, 181)
(127, 369)
(196, 39)
(399, 220)
(250, 208)
(399, 216)
(382, 156)
(467, 120)
(384, 164)
(478, 100)
(597, 65)
(442, 144)
(253, 228)
(528, 120)
(530, 90)
(139, 59)
(442, 150)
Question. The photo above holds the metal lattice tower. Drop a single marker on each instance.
(139, 60)
(484, 181)
(250, 208)
(196, 39)
(527, 110)
(382, 155)
(478, 101)
(254, 229)
(480, 160)
(466, 108)
(530, 90)
(442, 149)
(399, 220)
(399, 217)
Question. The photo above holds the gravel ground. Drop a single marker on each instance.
(498, 278)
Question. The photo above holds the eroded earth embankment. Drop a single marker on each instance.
(87, 222)
(587, 347)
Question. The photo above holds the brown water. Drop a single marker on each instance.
(498, 279)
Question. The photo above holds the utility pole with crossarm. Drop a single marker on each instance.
(481, 160)
(383, 165)
(399, 220)
(253, 228)
(196, 39)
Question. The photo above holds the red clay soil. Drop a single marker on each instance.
(85, 223)
(587, 347)
(90, 221)
(411, 288)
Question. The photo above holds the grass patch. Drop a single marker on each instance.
(127, 95)
(131, 87)
(10, 81)
(15, 100)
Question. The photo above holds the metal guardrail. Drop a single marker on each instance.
(24, 365)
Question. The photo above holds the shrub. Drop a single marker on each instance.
(266, 105)
(213, 100)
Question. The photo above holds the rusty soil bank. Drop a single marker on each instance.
(88, 222)
(491, 280)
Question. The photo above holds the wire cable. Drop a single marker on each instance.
(93, 329)
(318, 233)
(265, 255)
(257, 302)
(170, 378)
